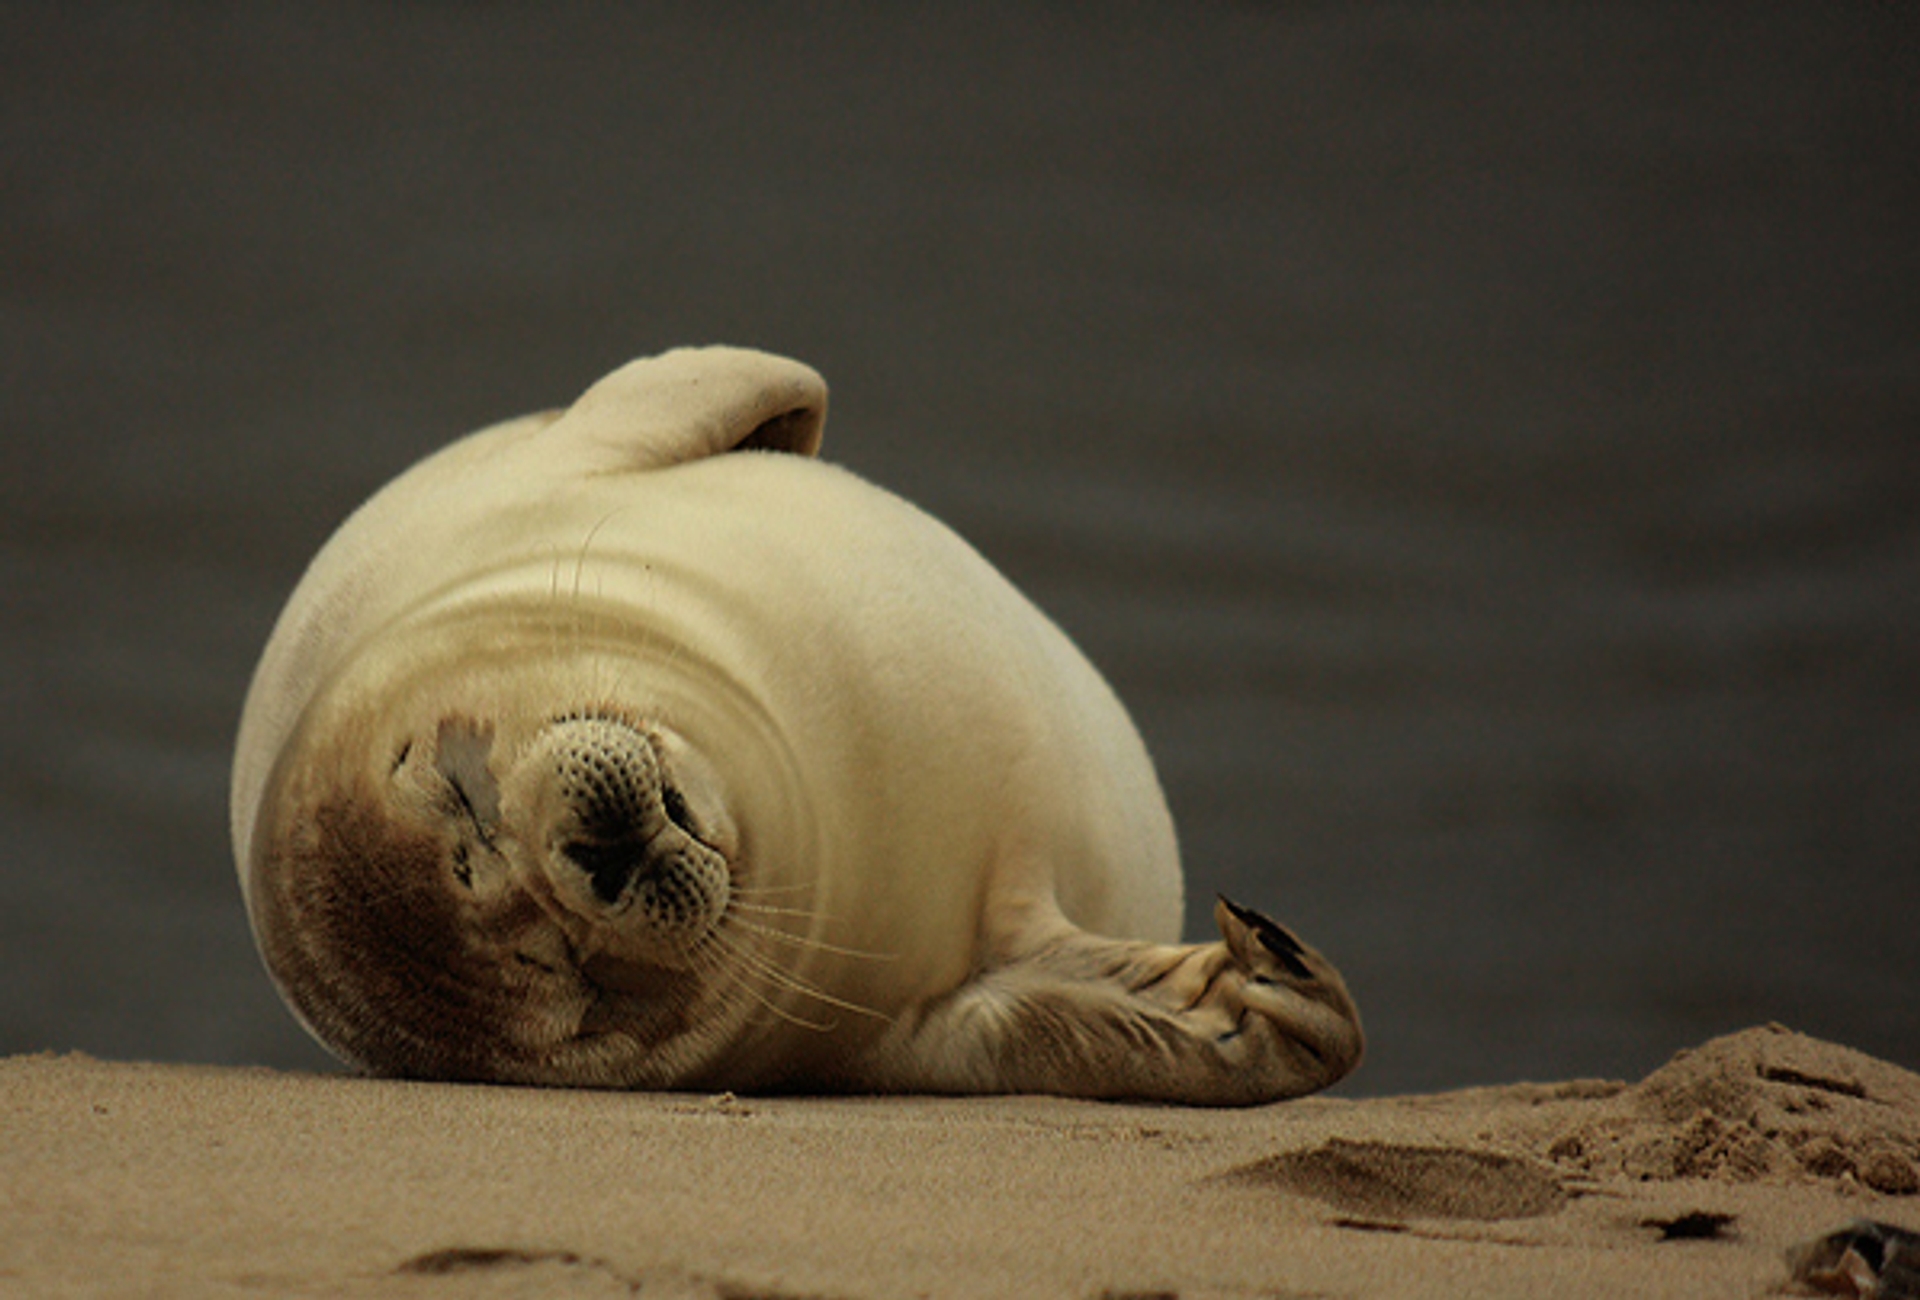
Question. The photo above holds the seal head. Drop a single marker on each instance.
(538, 902)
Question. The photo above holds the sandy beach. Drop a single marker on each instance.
(1475, 441)
(1696, 1181)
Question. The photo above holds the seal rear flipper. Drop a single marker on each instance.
(689, 404)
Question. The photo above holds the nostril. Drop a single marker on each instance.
(610, 866)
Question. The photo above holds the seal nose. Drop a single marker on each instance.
(610, 867)
(614, 797)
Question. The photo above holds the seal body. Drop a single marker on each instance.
(633, 746)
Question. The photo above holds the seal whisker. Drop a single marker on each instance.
(786, 979)
(711, 955)
(804, 913)
(817, 945)
(818, 1027)
(586, 545)
(761, 909)
(771, 974)
(769, 891)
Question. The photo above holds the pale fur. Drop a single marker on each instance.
(953, 864)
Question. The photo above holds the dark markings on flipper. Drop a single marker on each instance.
(1285, 948)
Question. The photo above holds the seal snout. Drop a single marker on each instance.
(615, 839)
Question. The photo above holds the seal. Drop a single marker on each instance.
(634, 746)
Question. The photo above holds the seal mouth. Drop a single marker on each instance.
(616, 841)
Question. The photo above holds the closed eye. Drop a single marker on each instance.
(466, 807)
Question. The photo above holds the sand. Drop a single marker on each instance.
(181, 1180)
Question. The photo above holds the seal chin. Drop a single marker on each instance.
(618, 841)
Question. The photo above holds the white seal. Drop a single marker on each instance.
(632, 746)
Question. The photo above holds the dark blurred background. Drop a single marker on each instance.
(1482, 443)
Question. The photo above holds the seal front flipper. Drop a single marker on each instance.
(689, 404)
(1256, 1017)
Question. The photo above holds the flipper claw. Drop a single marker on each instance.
(1274, 937)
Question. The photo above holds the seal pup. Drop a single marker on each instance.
(632, 746)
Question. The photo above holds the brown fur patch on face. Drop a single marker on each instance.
(365, 913)
(369, 937)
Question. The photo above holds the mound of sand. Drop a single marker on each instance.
(1767, 1104)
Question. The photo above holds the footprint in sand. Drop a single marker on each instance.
(1381, 1180)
